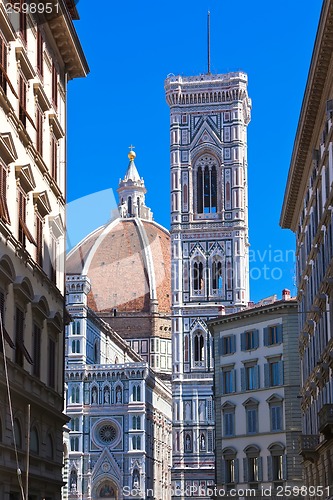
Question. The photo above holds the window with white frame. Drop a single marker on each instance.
(136, 392)
(136, 422)
(136, 442)
(75, 394)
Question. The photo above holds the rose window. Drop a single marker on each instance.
(107, 433)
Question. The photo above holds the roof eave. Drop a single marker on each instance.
(317, 75)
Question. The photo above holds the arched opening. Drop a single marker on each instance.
(107, 490)
(199, 347)
(206, 186)
(129, 206)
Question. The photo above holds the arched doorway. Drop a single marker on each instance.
(107, 490)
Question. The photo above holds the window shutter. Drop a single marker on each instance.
(256, 338)
(233, 343)
(236, 471)
(223, 471)
(245, 470)
(281, 377)
(279, 333)
(284, 467)
(243, 342)
(221, 350)
(265, 336)
(221, 383)
(233, 380)
(256, 377)
(266, 375)
(243, 379)
(259, 468)
(269, 468)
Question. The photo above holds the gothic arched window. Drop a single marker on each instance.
(129, 206)
(206, 186)
(199, 347)
(198, 277)
(217, 282)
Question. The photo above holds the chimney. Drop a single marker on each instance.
(285, 294)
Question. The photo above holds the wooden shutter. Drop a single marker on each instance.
(39, 132)
(257, 377)
(285, 467)
(259, 468)
(52, 363)
(39, 240)
(233, 380)
(245, 470)
(243, 379)
(3, 64)
(281, 373)
(233, 344)
(279, 333)
(36, 352)
(266, 339)
(236, 470)
(269, 468)
(54, 85)
(40, 65)
(4, 212)
(54, 159)
(19, 322)
(221, 382)
(266, 375)
(221, 346)
(256, 339)
(223, 471)
(243, 341)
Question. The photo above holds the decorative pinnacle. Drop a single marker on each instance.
(131, 154)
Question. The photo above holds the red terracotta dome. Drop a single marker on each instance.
(128, 263)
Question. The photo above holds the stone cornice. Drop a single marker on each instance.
(275, 308)
(68, 43)
(312, 100)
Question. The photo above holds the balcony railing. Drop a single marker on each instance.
(308, 446)
(325, 416)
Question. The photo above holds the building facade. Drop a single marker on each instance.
(120, 411)
(257, 405)
(38, 55)
(128, 264)
(307, 211)
(209, 115)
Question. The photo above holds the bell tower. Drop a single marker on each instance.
(209, 115)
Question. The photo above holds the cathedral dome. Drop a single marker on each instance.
(128, 264)
(128, 260)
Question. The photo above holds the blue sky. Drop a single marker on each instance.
(130, 49)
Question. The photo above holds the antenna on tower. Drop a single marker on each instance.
(208, 41)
